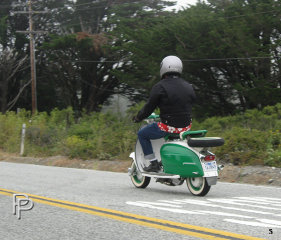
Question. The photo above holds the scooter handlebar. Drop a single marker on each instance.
(153, 116)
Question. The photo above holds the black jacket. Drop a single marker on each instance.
(174, 96)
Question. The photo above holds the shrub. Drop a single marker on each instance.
(76, 147)
(41, 136)
(10, 130)
(252, 137)
(243, 146)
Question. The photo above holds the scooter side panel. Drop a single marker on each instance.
(178, 159)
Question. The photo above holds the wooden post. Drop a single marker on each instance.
(22, 139)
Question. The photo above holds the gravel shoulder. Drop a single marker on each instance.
(258, 175)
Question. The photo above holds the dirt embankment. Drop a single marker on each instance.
(259, 175)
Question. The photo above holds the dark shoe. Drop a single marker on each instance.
(153, 167)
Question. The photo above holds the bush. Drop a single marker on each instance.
(10, 130)
(243, 146)
(252, 137)
(76, 147)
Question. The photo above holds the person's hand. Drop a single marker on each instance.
(135, 119)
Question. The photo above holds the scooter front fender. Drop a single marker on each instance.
(130, 169)
(133, 156)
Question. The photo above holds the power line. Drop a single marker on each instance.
(73, 24)
(258, 13)
(85, 9)
(184, 60)
(90, 61)
(226, 59)
(82, 4)
(25, 5)
(104, 6)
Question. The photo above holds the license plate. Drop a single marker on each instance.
(210, 166)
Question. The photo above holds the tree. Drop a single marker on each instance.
(79, 83)
(12, 59)
(230, 51)
(81, 64)
(10, 66)
(140, 40)
(73, 65)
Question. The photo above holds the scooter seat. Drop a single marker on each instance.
(205, 142)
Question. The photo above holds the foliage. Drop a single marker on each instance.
(230, 51)
(99, 135)
(95, 49)
(250, 138)
(12, 63)
(10, 129)
(231, 54)
(73, 63)
(80, 83)
(244, 146)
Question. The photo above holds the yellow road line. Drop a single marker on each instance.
(180, 228)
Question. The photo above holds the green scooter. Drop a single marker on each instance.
(182, 157)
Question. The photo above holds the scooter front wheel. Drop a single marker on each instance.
(137, 179)
(198, 186)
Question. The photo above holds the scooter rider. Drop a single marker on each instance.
(174, 97)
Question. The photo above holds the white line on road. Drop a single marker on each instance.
(270, 221)
(261, 200)
(239, 203)
(254, 224)
(224, 214)
(243, 206)
(174, 210)
(195, 202)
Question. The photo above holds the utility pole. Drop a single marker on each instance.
(32, 60)
(31, 33)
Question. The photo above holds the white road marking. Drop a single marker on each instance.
(156, 204)
(271, 221)
(195, 202)
(254, 224)
(224, 214)
(271, 199)
(175, 210)
(236, 202)
(248, 208)
(261, 200)
(160, 204)
(172, 202)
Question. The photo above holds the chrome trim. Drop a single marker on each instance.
(163, 175)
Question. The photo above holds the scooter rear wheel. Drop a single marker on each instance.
(137, 179)
(198, 186)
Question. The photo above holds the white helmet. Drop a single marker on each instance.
(170, 64)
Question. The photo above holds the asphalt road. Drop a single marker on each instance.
(87, 204)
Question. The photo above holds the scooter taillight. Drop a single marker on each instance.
(210, 157)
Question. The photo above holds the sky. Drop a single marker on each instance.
(183, 3)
